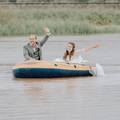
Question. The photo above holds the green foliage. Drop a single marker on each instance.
(61, 21)
(12, 0)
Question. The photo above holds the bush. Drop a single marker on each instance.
(61, 21)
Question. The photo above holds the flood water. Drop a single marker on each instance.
(87, 98)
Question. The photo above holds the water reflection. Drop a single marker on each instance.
(46, 87)
(70, 88)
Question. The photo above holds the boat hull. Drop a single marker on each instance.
(51, 70)
(48, 73)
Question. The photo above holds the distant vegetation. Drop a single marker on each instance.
(65, 21)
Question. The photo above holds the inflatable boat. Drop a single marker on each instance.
(51, 69)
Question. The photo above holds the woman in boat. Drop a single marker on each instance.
(71, 52)
(32, 51)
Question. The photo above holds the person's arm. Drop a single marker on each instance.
(87, 49)
(47, 32)
(80, 50)
(42, 42)
(26, 54)
(91, 47)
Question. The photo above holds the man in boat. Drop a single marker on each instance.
(33, 50)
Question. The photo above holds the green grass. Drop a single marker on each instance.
(64, 21)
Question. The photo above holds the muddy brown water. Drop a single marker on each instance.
(87, 98)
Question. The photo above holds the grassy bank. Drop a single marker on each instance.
(61, 21)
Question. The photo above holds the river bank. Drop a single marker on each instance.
(64, 21)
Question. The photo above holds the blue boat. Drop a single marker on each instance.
(49, 69)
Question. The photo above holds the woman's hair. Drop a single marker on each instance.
(71, 53)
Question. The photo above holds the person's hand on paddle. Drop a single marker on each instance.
(47, 31)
